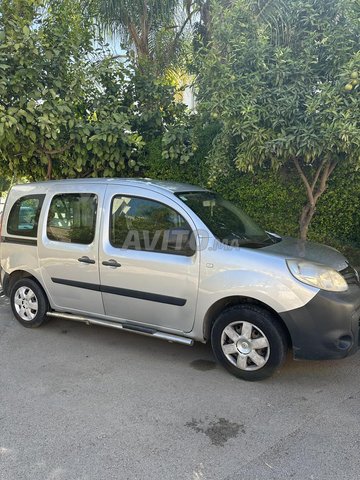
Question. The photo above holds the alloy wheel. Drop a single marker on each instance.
(245, 346)
(26, 303)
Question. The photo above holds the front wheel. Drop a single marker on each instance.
(249, 342)
(28, 302)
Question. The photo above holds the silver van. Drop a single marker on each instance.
(176, 262)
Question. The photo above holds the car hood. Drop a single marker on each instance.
(314, 252)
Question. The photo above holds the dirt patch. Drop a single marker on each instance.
(219, 431)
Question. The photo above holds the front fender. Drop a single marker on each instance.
(276, 289)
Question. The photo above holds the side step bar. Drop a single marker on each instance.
(128, 327)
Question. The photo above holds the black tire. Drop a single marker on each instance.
(39, 315)
(266, 325)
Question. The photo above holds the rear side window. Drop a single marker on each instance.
(24, 216)
(72, 218)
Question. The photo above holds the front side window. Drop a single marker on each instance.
(229, 224)
(142, 224)
(72, 218)
(24, 216)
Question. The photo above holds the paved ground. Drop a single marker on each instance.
(89, 403)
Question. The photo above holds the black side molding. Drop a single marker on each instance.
(124, 292)
(20, 241)
(152, 297)
(74, 283)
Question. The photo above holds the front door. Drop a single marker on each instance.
(68, 249)
(148, 273)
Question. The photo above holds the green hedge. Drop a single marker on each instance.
(275, 202)
(154, 166)
(275, 199)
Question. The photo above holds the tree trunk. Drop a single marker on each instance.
(314, 189)
(307, 214)
(141, 38)
(205, 15)
(49, 168)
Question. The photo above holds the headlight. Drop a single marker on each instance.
(317, 275)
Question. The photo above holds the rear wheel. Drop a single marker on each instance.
(29, 303)
(249, 342)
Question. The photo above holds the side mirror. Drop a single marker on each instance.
(274, 236)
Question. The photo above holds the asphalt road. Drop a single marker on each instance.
(90, 403)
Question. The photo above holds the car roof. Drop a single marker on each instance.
(170, 186)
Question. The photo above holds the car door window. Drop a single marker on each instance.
(142, 224)
(72, 218)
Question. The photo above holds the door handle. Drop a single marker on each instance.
(111, 263)
(86, 259)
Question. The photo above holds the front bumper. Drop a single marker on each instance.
(327, 327)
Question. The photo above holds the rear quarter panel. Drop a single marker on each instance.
(19, 256)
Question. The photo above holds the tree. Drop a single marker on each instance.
(281, 80)
(200, 11)
(61, 109)
(152, 28)
(154, 34)
(4, 185)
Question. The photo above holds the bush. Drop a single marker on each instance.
(266, 198)
(160, 168)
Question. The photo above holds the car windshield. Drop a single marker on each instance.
(226, 221)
